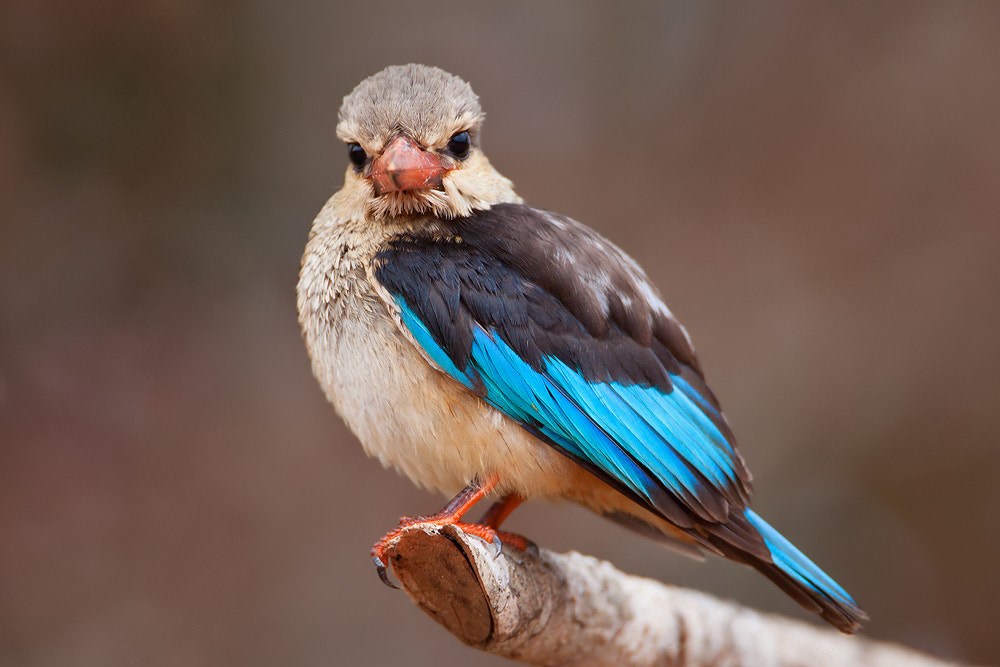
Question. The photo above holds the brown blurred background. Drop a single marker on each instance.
(813, 186)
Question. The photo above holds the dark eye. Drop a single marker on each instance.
(459, 145)
(356, 154)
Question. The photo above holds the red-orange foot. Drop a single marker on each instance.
(487, 534)
(405, 524)
(452, 515)
(498, 513)
(519, 542)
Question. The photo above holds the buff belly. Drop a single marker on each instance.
(418, 420)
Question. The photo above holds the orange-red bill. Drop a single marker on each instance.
(404, 165)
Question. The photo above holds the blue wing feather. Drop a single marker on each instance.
(638, 435)
(521, 393)
(426, 341)
(605, 406)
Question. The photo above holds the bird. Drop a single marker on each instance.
(488, 349)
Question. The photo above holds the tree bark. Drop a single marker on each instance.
(542, 608)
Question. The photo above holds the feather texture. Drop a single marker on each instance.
(597, 392)
(591, 362)
(462, 334)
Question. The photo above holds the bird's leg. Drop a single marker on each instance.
(500, 510)
(498, 513)
(451, 514)
(456, 507)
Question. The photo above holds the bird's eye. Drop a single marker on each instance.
(459, 145)
(356, 154)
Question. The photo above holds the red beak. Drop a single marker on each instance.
(404, 165)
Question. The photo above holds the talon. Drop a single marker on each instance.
(496, 546)
(532, 548)
(383, 572)
(519, 542)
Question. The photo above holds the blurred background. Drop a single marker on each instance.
(813, 186)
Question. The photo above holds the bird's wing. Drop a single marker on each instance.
(559, 330)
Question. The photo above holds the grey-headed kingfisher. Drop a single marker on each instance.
(478, 344)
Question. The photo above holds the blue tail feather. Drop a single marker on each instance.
(816, 584)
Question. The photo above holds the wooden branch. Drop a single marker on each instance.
(568, 609)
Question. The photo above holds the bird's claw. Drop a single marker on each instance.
(495, 546)
(532, 548)
(383, 572)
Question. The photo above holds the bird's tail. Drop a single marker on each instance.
(802, 580)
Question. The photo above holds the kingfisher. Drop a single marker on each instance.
(489, 349)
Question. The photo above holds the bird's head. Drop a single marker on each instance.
(412, 135)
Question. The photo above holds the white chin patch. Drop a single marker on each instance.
(413, 202)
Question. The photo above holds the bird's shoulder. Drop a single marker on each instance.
(547, 284)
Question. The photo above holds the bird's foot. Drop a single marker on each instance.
(451, 515)
(491, 536)
(519, 542)
(407, 523)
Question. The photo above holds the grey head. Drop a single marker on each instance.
(412, 135)
(426, 103)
